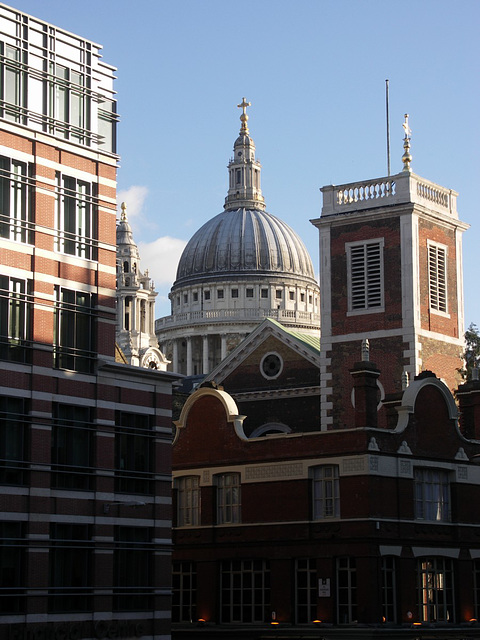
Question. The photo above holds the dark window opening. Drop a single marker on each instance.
(134, 451)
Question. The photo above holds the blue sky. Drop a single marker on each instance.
(314, 71)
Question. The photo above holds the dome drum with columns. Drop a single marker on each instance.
(240, 267)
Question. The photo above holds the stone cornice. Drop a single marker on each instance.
(277, 394)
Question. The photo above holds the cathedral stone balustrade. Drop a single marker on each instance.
(285, 316)
(402, 188)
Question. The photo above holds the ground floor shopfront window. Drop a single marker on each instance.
(435, 590)
(245, 591)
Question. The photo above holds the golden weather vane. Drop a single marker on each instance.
(408, 131)
(407, 158)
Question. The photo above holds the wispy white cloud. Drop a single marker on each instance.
(161, 258)
(134, 197)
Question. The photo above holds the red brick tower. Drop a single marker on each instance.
(390, 271)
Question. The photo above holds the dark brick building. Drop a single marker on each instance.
(360, 526)
(333, 491)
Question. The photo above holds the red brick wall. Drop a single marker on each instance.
(389, 230)
(385, 353)
(429, 230)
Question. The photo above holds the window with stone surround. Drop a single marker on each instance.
(326, 491)
(72, 447)
(365, 276)
(432, 494)
(437, 277)
(188, 501)
(228, 498)
(15, 315)
(15, 200)
(76, 219)
(74, 330)
(134, 451)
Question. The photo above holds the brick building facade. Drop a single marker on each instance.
(332, 495)
(365, 528)
(85, 441)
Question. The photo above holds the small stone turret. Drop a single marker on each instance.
(136, 295)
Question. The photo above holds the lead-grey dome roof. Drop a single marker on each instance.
(244, 242)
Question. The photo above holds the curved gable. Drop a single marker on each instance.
(430, 400)
(207, 401)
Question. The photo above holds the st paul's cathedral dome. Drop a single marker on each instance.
(240, 267)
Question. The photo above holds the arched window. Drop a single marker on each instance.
(269, 428)
(126, 323)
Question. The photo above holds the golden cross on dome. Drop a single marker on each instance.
(243, 105)
(244, 117)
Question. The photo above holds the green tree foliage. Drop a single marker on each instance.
(471, 355)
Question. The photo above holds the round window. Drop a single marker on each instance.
(271, 365)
